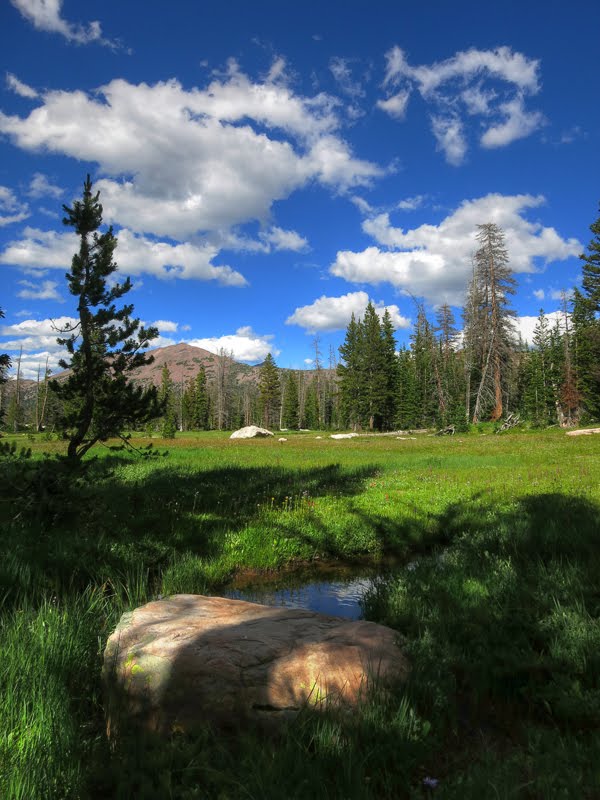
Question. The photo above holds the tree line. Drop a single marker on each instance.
(446, 376)
(483, 372)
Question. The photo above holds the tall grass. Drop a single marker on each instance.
(498, 609)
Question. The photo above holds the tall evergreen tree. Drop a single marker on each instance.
(105, 345)
(269, 391)
(390, 360)
(291, 411)
(408, 412)
(426, 385)
(494, 282)
(350, 375)
(591, 268)
(311, 407)
(200, 408)
(4, 367)
(374, 389)
(586, 321)
(168, 403)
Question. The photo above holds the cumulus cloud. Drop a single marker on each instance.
(517, 124)
(434, 261)
(45, 290)
(489, 84)
(525, 326)
(411, 203)
(40, 186)
(334, 313)
(11, 209)
(539, 294)
(280, 239)
(135, 255)
(45, 15)
(181, 162)
(37, 338)
(244, 344)
(165, 326)
(396, 104)
(20, 88)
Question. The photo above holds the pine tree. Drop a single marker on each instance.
(350, 375)
(200, 408)
(591, 268)
(167, 400)
(390, 360)
(586, 356)
(408, 409)
(586, 321)
(105, 345)
(426, 385)
(4, 367)
(269, 391)
(290, 412)
(311, 407)
(493, 283)
(374, 391)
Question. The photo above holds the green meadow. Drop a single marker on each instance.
(497, 606)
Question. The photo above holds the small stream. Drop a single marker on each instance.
(329, 589)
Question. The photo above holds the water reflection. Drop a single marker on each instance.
(336, 592)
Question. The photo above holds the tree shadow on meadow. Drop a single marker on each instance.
(500, 618)
(62, 529)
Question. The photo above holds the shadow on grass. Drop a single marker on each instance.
(61, 529)
(500, 614)
(502, 624)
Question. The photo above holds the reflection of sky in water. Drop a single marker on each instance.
(338, 598)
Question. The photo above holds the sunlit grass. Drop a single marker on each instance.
(499, 611)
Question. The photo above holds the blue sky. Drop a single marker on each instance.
(269, 167)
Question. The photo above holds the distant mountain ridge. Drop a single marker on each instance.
(184, 361)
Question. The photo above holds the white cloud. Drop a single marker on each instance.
(460, 86)
(518, 124)
(342, 72)
(186, 327)
(525, 325)
(40, 186)
(45, 15)
(20, 88)
(450, 138)
(558, 294)
(334, 313)
(46, 290)
(38, 340)
(501, 63)
(331, 161)
(245, 344)
(411, 203)
(434, 261)
(395, 105)
(165, 326)
(135, 255)
(309, 361)
(279, 239)
(363, 206)
(539, 294)
(11, 210)
(180, 162)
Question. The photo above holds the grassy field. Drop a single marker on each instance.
(499, 610)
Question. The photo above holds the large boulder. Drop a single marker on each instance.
(178, 662)
(250, 432)
(343, 435)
